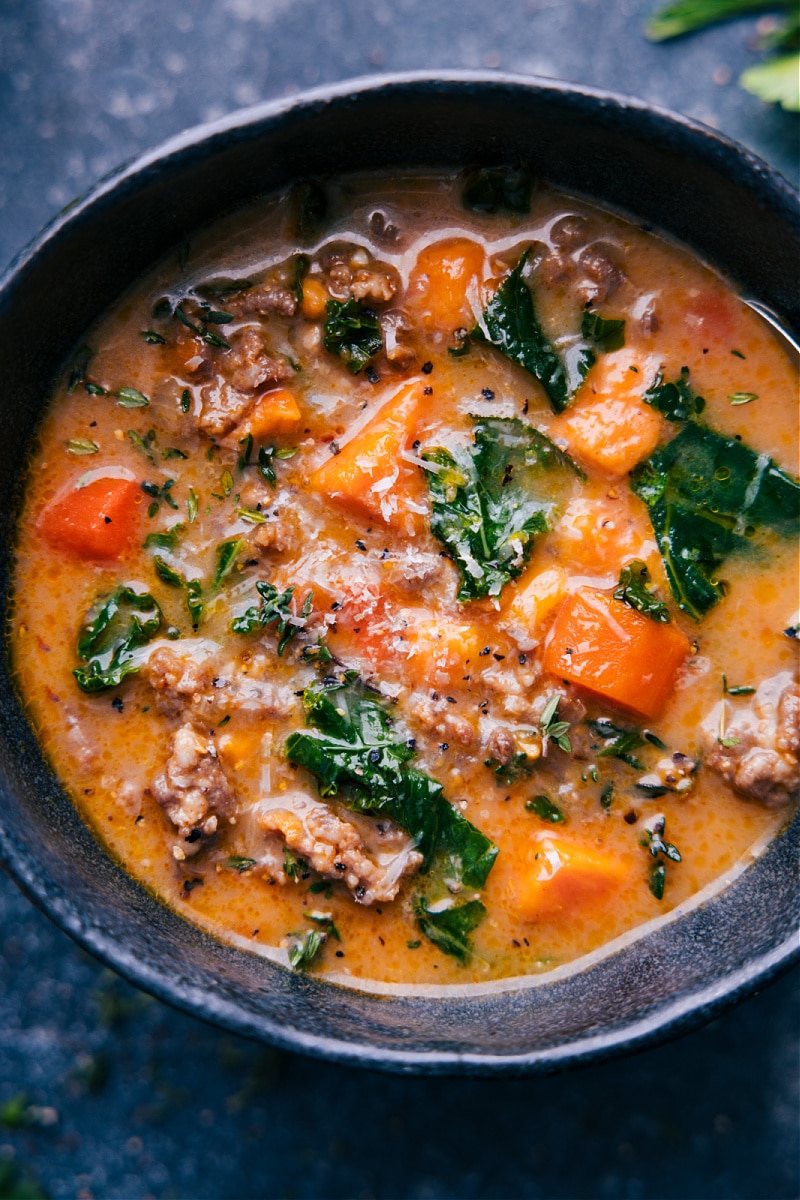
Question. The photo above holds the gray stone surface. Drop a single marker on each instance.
(118, 1096)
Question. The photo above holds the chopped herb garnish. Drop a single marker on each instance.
(551, 728)
(227, 553)
(160, 492)
(191, 505)
(82, 446)
(141, 444)
(304, 947)
(607, 796)
(237, 862)
(128, 397)
(186, 400)
(325, 922)
(352, 332)
(735, 691)
(274, 608)
(738, 398)
(633, 590)
(294, 867)
(174, 452)
(491, 500)
(153, 338)
(251, 515)
(318, 653)
(655, 843)
(226, 482)
(519, 766)
(620, 743)
(708, 497)
(166, 573)
(544, 808)
(112, 630)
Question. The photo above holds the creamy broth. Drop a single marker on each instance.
(218, 412)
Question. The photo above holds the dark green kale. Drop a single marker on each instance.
(491, 500)
(357, 756)
(509, 323)
(498, 189)
(352, 332)
(607, 333)
(449, 928)
(274, 609)
(112, 630)
(544, 808)
(633, 590)
(676, 401)
(710, 497)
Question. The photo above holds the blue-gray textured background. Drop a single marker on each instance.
(114, 1095)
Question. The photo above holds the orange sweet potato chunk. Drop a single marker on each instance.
(97, 521)
(609, 427)
(560, 876)
(368, 475)
(443, 277)
(610, 649)
(273, 412)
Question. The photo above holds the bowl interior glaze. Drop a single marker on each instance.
(662, 170)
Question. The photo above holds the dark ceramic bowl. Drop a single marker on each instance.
(659, 168)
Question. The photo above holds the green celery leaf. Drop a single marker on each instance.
(776, 81)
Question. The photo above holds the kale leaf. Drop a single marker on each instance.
(352, 332)
(449, 928)
(112, 630)
(620, 742)
(546, 809)
(676, 401)
(607, 333)
(509, 323)
(709, 497)
(633, 590)
(496, 189)
(490, 501)
(357, 755)
(275, 608)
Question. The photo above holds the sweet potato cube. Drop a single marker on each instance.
(560, 876)
(274, 412)
(368, 475)
(445, 282)
(97, 521)
(610, 649)
(439, 651)
(609, 427)
(531, 603)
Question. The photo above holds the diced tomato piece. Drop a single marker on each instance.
(98, 520)
(610, 649)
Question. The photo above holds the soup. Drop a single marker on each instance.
(406, 582)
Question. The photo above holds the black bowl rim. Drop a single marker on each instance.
(687, 1011)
